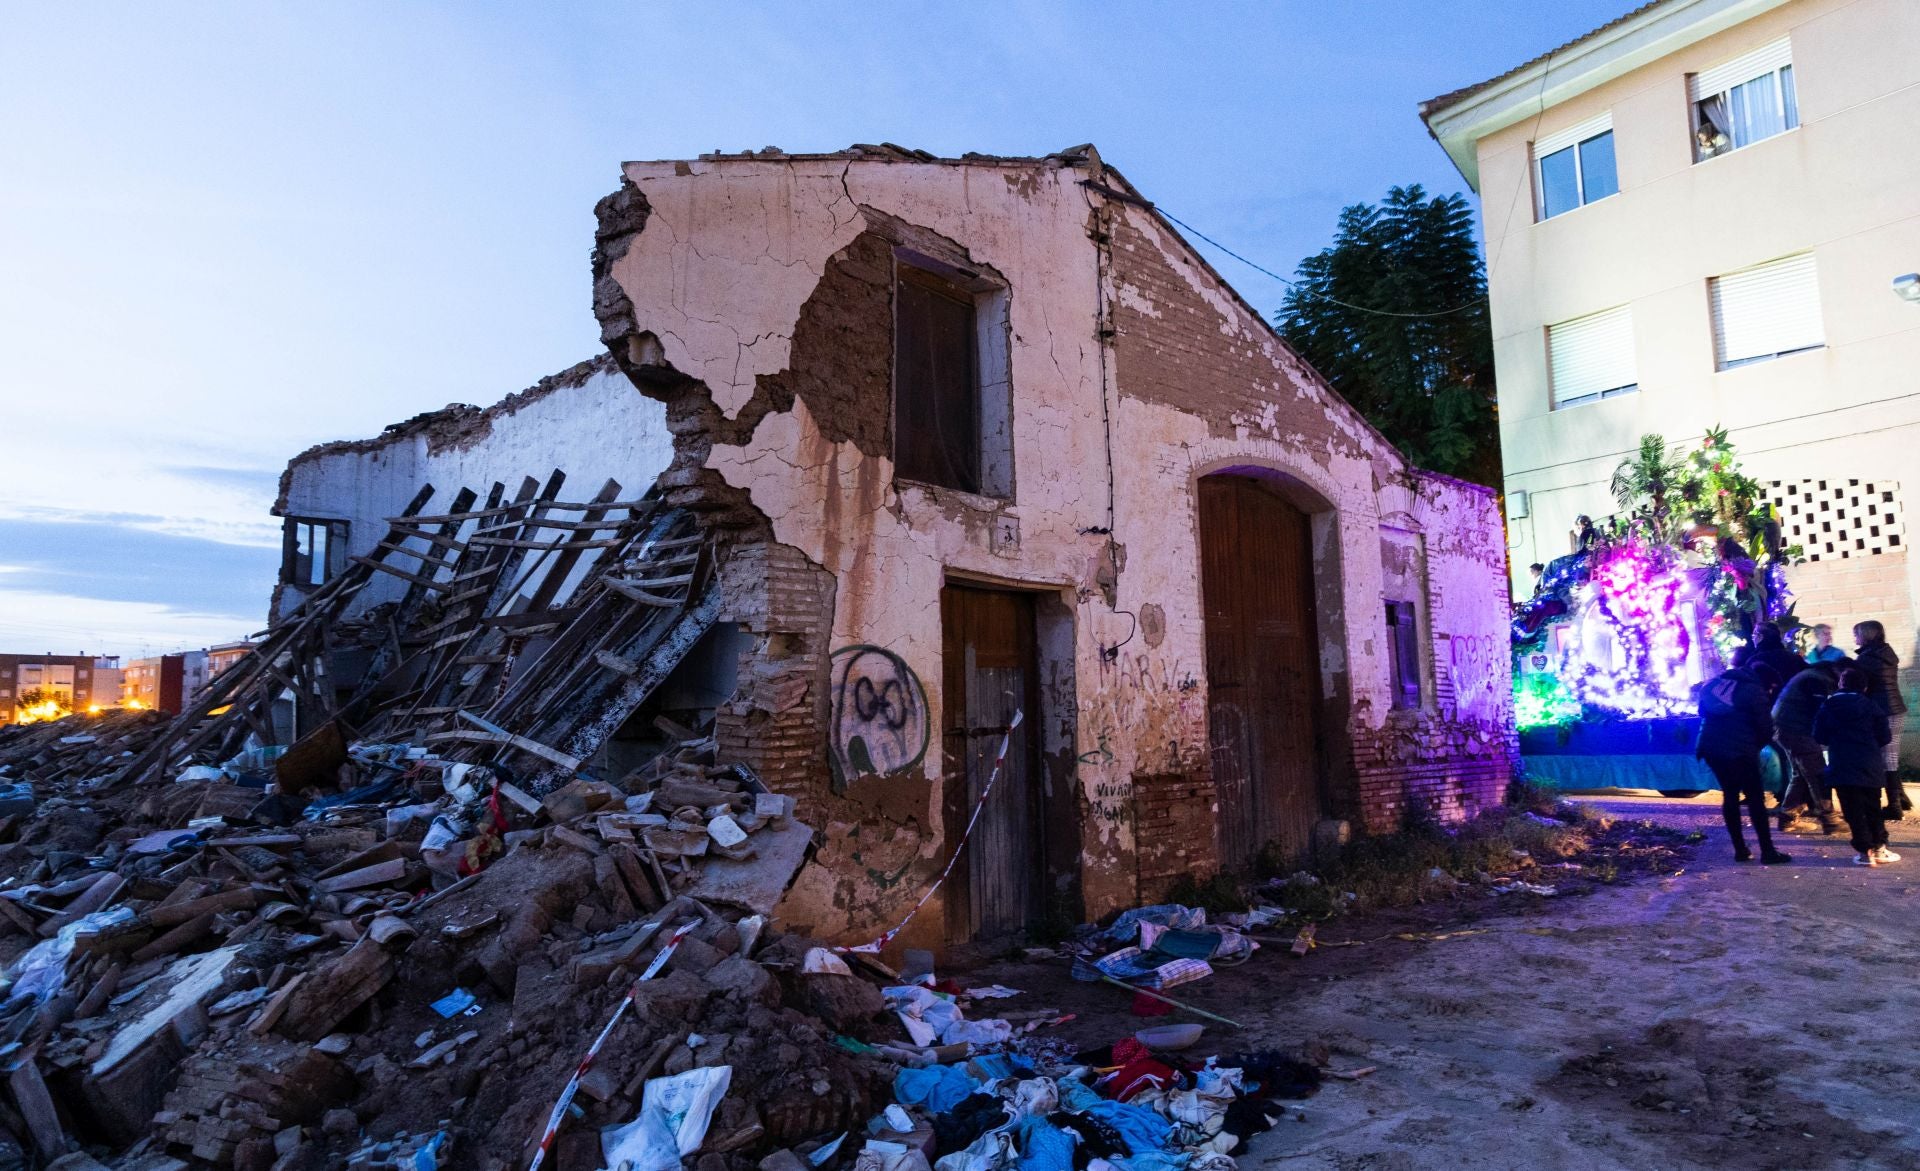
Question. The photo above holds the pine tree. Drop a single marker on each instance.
(1425, 381)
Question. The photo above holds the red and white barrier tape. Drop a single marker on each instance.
(999, 764)
(573, 1083)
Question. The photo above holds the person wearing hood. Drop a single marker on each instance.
(1880, 663)
(1808, 795)
(1855, 732)
(1736, 722)
(1770, 651)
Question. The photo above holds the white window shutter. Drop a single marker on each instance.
(1769, 309)
(1560, 139)
(1744, 68)
(1590, 355)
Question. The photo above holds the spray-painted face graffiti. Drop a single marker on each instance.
(879, 723)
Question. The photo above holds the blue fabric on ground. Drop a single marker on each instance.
(1143, 1130)
(994, 1066)
(1043, 1146)
(937, 1087)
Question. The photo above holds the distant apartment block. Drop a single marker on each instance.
(30, 683)
(166, 682)
(219, 658)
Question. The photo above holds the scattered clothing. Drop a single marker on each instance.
(937, 1087)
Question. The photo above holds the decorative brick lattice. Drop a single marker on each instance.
(1838, 518)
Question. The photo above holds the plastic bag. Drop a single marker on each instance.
(674, 1115)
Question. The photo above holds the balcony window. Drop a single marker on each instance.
(1744, 101)
(1575, 166)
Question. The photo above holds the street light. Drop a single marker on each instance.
(1908, 286)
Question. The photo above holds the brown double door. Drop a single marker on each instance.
(1263, 667)
(999, 886)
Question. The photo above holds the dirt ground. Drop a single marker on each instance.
(1731, 1016)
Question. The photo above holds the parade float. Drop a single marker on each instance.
(1611, 649)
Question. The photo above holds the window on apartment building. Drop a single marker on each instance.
(1403, 647)
(312, 550)
(1767, 311)
(1743, 101)
(1575, 166)
(1591, 358)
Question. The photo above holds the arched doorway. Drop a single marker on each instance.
(1263, 666)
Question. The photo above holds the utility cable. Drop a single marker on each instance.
(1303, 290)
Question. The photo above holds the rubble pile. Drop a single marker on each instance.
(419, 914)
(197, 970)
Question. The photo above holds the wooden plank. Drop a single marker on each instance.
(519, 543)
(552, 506)
(425, 583)
(531, 747)
(655, 583)
(423, 558)
(635, 593)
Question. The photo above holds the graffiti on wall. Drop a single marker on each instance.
(1477, 687)
(879, 720)
(1143, 715)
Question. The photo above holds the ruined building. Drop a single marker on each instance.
(1000, 482)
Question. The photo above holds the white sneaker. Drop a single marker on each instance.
(1884, 856)
(1864, 860)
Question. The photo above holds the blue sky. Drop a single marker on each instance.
(228, 232)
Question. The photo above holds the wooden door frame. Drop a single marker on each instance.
(1047, 717)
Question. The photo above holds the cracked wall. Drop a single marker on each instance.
(751, 296)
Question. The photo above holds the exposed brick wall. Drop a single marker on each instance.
(1170, 348)
(1173, 826)
(776, 721)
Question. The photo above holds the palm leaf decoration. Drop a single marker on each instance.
(1646, 480)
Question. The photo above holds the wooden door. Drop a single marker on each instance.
(989, 673)
(1263, 667)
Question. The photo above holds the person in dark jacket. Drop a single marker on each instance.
(1881, 664)
(1807, 791)
(1771, 651)
(1736, 722)
(1855, 732)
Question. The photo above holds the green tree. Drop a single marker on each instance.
(1394, 314)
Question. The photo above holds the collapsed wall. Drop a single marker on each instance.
(586, 420)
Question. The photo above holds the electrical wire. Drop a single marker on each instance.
(1301, 289)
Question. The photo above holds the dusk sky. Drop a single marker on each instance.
(228, 232)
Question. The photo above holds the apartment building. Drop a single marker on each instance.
(1697, 215)
(69, 682)
(165, 682)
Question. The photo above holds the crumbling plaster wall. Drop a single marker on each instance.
(587, 421)
(1135, 373)
(1205, 387)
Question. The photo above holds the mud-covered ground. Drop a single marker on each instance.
(1731, 1016)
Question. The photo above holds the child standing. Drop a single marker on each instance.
(1855, 731)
